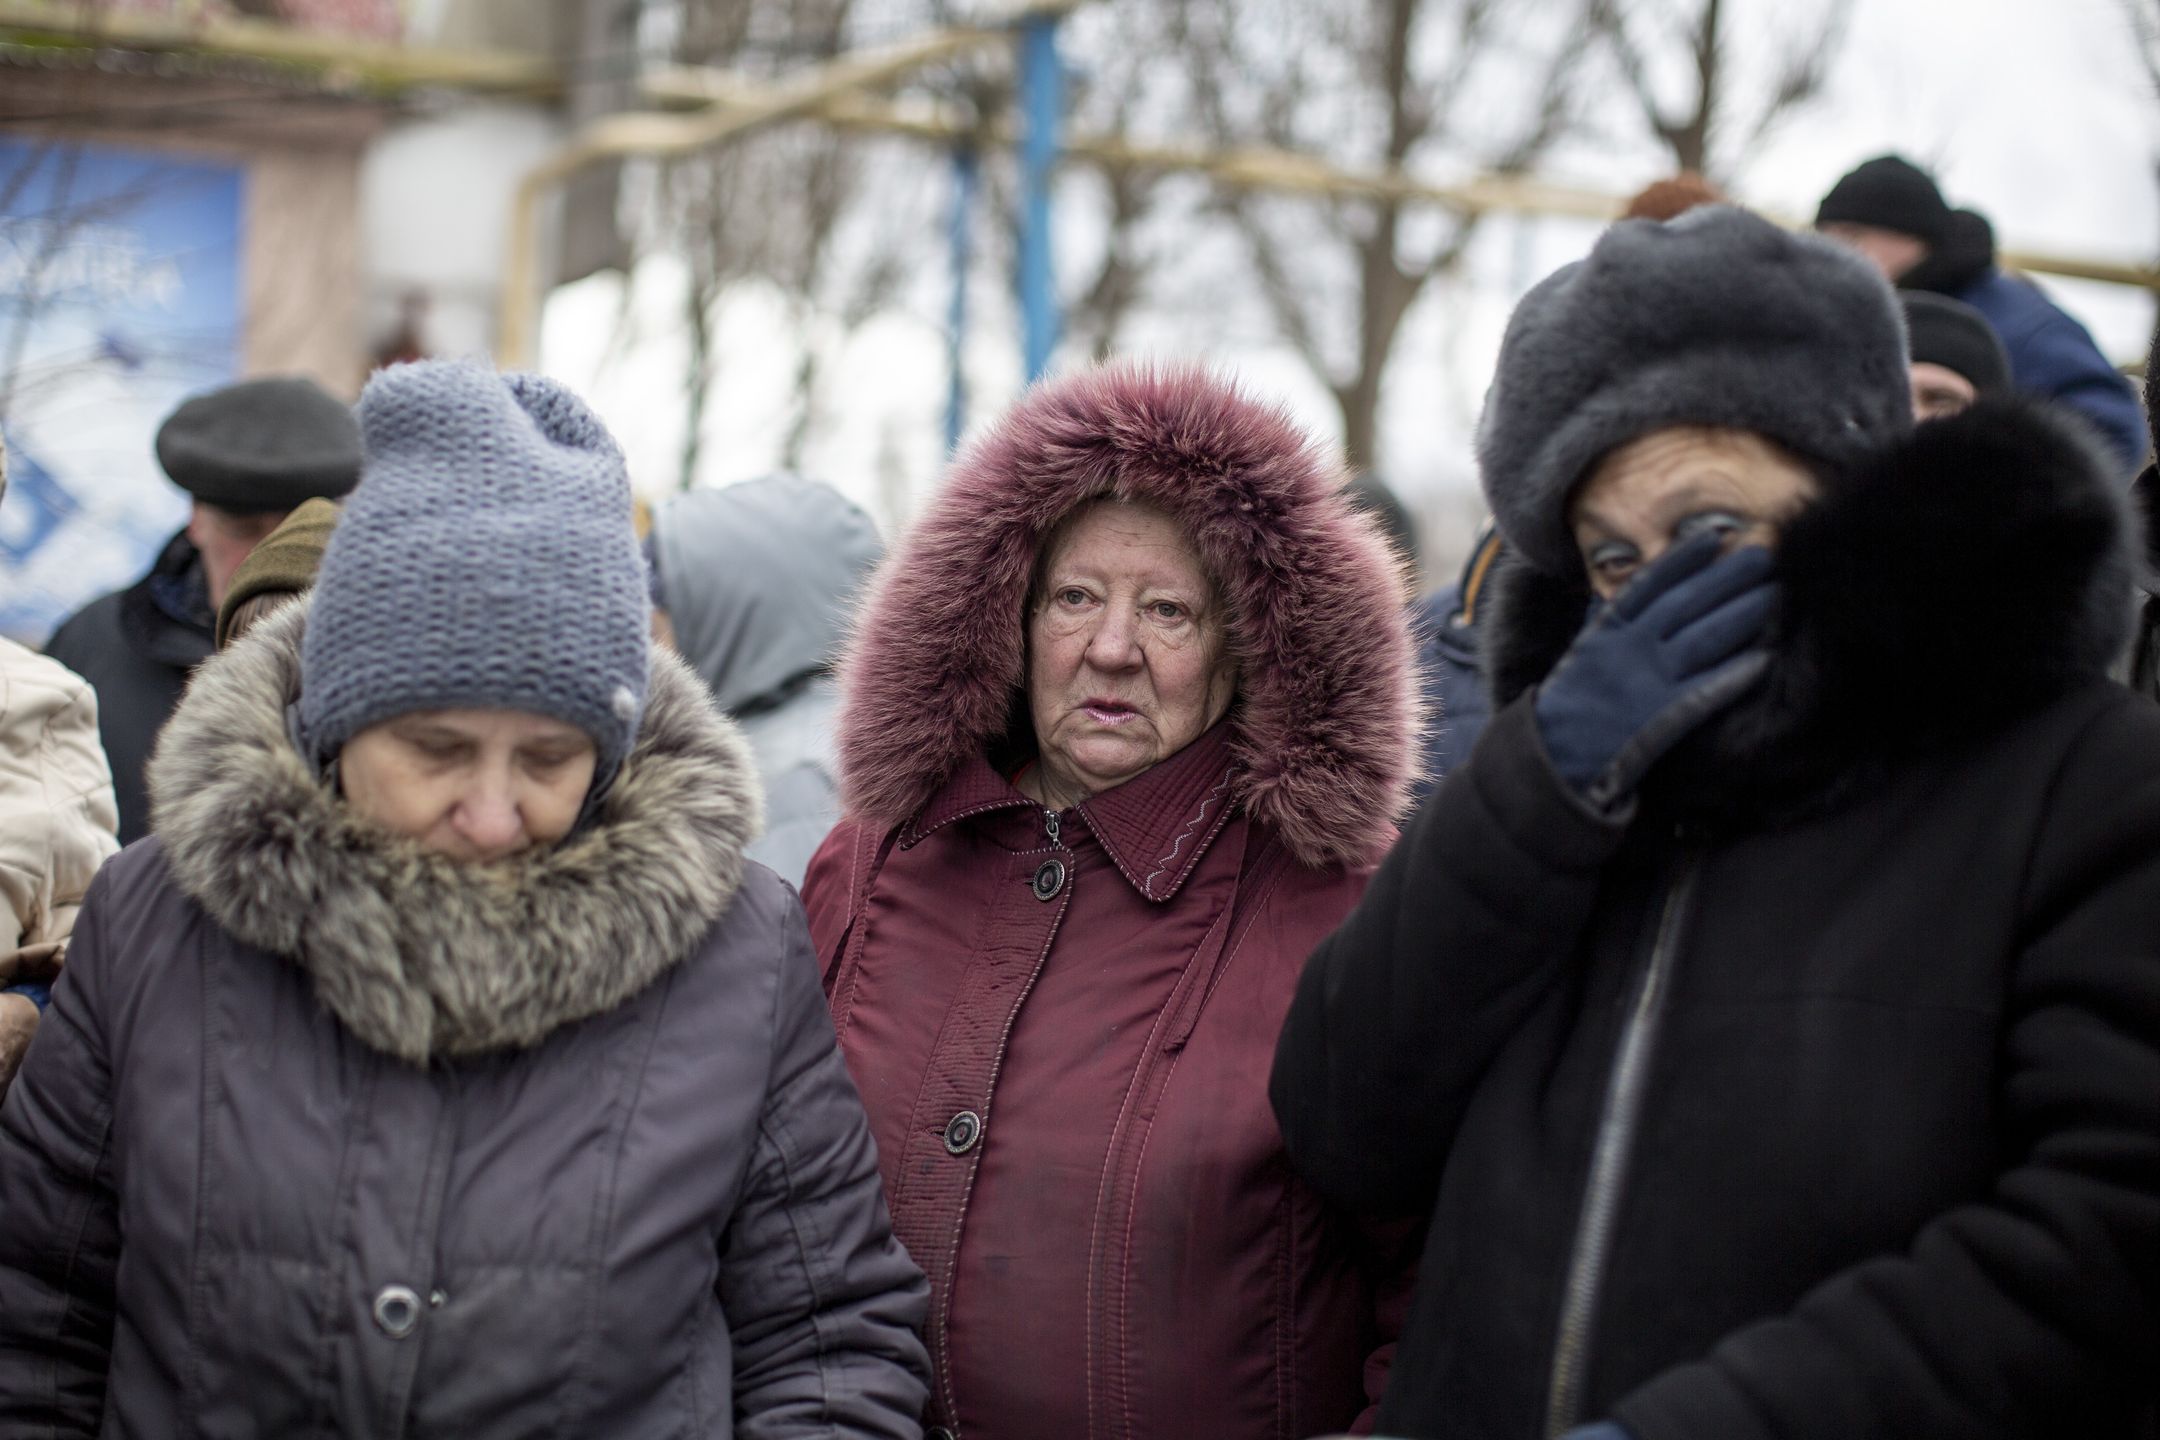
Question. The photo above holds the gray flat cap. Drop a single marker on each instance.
(262, 445)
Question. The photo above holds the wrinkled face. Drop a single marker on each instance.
(1128, 653)
(475, 785)
(1891, 251)
(1664, 487)
(1938, 391)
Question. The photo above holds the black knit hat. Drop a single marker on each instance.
(1950, 333)
(1890, 193)
(1718, 318)
(261, 445)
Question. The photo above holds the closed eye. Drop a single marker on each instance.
(436, 745)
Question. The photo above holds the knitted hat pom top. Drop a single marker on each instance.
(486, 560)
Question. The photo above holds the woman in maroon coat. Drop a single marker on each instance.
(1128, 718)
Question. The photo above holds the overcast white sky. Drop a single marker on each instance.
(2034, 112)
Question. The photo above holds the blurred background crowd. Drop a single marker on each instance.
(829, 236)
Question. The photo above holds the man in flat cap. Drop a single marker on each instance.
(247, 454)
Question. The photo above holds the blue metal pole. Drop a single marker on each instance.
(963, 214)
(1042, 88)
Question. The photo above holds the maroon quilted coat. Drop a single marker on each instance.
(1062, 1024)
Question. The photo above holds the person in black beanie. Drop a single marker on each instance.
(246, 454)
(1892, 211)
(1956, 356)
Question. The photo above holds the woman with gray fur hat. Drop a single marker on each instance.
(439, 1066)
(1767, 1015)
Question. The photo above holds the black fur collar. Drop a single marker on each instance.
(1976, 571)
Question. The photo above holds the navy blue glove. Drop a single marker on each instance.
(1675, 647)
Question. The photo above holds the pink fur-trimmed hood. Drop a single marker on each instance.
(1326, 717)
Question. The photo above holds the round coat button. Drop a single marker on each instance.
(962, 1132)
(1049, 879)
(397, 1311)
(939, 1432)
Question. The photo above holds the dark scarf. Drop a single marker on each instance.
(1954, 263)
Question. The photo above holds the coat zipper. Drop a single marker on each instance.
(1609, 1159)
(1050, 825)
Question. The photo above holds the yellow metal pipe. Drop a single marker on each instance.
(1260, 168)
(372, 64)
(664, 135)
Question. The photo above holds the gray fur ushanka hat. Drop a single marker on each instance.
(487, 559)
(1717, 318)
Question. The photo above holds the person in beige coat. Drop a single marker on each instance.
(57, 825)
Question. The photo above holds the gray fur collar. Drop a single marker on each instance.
(421, 957)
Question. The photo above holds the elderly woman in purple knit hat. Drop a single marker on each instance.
(439, 1066)
(1126, 722)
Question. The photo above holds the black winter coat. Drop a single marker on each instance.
(137, 655)
(1821, 1099)
(325, 1135)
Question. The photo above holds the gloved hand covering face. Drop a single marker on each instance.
(1679, 644)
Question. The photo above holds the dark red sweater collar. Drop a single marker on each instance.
(1155, 827)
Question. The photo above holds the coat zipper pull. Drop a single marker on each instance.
(1050, 826)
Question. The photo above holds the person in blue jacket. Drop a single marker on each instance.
(1448, 627)
(1891, 211)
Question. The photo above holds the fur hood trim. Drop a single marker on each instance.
(1976, 570)
(1324, 726)
(419, 956)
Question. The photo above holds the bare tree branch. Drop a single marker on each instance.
(2144, 17)
(770, 207)
(1708, 45)
(1382, 84)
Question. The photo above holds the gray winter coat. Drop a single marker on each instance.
(759, 580)
(324, 1134)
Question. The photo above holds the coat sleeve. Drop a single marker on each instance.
(823, 1305)
(59, 1231)
(2034, 1308)
(1392, 1248)
(2060, 355)
(57, 820)
(1465, 927)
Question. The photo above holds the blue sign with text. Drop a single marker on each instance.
(119, 297)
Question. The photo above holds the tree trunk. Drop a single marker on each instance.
(1359, 402)
(697, 384)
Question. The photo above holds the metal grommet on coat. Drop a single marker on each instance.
(397, 1311)
(1049, 879)
(962, 1132)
